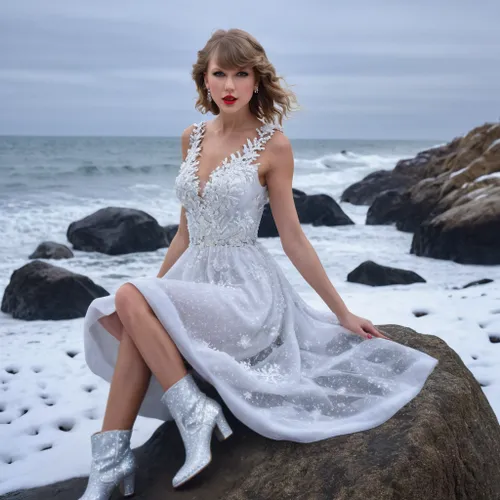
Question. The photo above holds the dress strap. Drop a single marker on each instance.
(194, 143)
(197, 133)
(265, 133)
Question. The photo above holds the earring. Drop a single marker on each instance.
(256, 90)
(209, 95)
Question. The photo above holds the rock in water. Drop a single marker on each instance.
(39, 290)
(366, 190)
(116, 231)
(373, 274)
(443, 445)
(316, 209)
(386, 208)
(321, 210)
(51, 250)
(405, 174)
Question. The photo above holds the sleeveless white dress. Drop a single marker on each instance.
(286, 370)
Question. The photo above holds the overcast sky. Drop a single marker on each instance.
(361, 69)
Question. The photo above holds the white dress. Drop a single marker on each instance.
(285, 369)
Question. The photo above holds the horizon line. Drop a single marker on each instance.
(178, 137)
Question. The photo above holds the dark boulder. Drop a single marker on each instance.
(408, 166)
(40, 290)
(321, 210)
(373, 274)
(442, 445)
(428, 159)
(267, 228)
(386, 208)
(315, 209)
(170, 232)
(297, 193)
(418, 204)
(468, 234)
(366, 190)
(51, 250)
(116, 231)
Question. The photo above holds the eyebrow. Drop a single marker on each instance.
(241, 68)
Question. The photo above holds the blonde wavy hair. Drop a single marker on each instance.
(236, 48)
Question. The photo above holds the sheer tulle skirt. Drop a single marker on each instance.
(285, 369)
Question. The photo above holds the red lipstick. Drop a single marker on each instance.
(229, 99)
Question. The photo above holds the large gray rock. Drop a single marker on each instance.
(40, 290)
(442, 445)
(405, 174)
(468, 233)
(466, 173)
(116, 231)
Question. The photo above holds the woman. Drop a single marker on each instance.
(220, 301)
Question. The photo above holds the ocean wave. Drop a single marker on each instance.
(88, 170)
(99, 170)
(339, 161)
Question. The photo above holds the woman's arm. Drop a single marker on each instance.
(177, 246)
(180, 241)
(295, 243)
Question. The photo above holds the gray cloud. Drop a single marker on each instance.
(360, 70)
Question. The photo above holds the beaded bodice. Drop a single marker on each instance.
(228, 210)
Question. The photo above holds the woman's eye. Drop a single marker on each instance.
(220, 73)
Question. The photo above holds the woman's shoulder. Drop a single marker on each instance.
(188, 131)
(188, 136)
(278, 142)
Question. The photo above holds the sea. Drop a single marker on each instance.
(48, 182)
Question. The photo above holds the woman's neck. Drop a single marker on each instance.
(226, 123)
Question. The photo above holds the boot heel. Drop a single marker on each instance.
(222, 429)
(127, 485)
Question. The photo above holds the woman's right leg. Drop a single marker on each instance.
(130, 380)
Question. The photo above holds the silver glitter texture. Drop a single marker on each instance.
(196, 416)
(113, 464)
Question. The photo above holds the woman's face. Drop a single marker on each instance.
(238, 83)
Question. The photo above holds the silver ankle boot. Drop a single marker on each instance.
(113, 464)
(196, 416)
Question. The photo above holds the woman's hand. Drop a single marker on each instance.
(360, 326)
